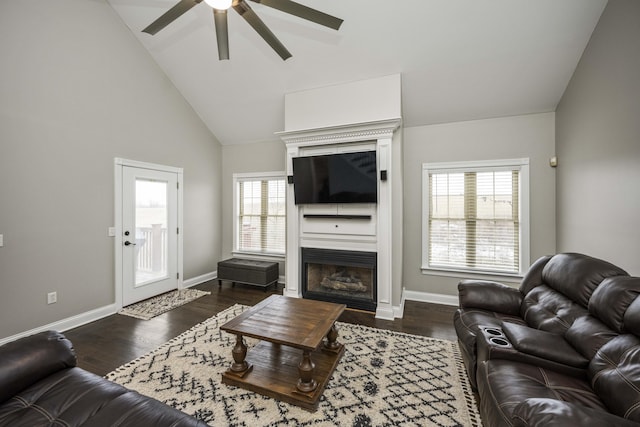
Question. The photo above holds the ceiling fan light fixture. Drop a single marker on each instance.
(242, 8)
(219, 4)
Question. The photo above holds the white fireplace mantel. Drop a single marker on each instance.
(375, 236)
(339, 134)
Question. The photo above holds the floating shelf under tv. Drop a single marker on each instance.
(337, 216)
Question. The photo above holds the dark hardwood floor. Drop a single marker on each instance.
(105, 344)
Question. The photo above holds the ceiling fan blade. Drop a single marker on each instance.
(254, 20)
(222, 33)
(303, 12)
(170, 15)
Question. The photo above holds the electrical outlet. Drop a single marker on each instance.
(52, 297)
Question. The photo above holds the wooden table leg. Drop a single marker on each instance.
(239, 352)
(332, 339)
(306, 369)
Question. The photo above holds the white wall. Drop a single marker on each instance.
(530, 136)
(598, 143)
(76, 91)
(344, 104)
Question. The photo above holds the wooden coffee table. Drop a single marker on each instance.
(297, 353)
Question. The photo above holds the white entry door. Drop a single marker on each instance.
(149, 233)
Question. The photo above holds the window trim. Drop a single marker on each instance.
(252, 176)
(448, 167)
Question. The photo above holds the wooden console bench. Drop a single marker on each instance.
(247, 271)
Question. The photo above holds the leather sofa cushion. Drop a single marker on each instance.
(577, 276)
(544, 344)
(547, 309)
(632, 318)
(74, 397)
(588, 334)
(615, 376)
(26, 361)
(533, 276)
(611, 299)
(556, 413)
(503, 385)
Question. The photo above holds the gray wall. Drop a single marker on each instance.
(598, 144)
(77, 90)
(530, 136)
(246, 158)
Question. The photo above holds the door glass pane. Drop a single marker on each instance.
(151, 231)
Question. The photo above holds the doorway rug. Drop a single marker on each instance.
(152, 307)
(385, 378)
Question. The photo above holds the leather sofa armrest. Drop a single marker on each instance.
(487, 295)
(27, 360)
(556, 413)
(543, 344)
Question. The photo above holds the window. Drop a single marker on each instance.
(260, 213)
(475, 216)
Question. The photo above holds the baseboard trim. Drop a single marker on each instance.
(387, 313)
(429, 297)
(398, 310)
(68, 323)
(101, 312)
(200, 279)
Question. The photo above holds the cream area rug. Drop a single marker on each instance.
(385, 378)
(152, 307)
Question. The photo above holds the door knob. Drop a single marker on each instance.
(127, 243)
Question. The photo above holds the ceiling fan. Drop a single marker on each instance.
(242, 7)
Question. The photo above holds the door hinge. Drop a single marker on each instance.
(178, 230)
(177, 275)
(178, 185)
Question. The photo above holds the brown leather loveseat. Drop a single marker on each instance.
(40, 385)
(562, 350)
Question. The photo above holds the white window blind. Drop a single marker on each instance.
(261, 219)
(473, 218)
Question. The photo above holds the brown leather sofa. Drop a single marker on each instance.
(40, 385)
(562, 350)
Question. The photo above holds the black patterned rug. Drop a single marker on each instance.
(152, 307)
(385, 378)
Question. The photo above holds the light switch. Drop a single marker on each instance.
(111, 232)
(1, 240)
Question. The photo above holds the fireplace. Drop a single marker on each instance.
(374, 228)
(345, 277)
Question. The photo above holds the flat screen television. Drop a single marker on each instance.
(335, 178)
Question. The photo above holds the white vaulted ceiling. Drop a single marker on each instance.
(459, 59)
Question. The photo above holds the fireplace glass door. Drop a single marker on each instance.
(345, 277)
